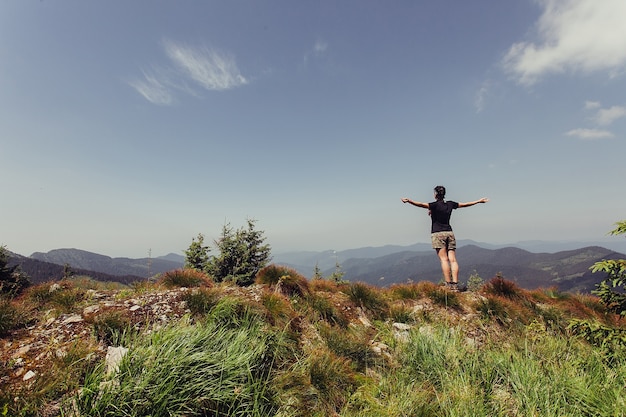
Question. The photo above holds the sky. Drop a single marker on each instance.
(127, 128)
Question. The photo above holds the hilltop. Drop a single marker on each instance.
(295, 347)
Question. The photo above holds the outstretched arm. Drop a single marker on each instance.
(472, 203)
(415, 203)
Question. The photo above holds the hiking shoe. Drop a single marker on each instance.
(452, 286)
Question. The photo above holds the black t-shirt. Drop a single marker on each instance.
(440, 212)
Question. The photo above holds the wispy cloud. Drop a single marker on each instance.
(602, 117)
(481, 96)
(206, 68)
(572, 35)
(152, 89)
(590, 134)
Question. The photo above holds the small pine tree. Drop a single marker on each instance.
(317, 272)
(242, 254)
(197, 256)
(474, 282)
(12, 279)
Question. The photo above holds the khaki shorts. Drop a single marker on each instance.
(442, 240)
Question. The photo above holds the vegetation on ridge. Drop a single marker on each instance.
(288, 346)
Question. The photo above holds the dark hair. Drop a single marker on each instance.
(440, 192)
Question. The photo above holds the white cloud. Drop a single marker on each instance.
(590, 105)
(209, 68)
(605, 117)
(153, 89)
(573, 35)
(590, 134)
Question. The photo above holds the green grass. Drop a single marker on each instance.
(261, 352)
(206, 369)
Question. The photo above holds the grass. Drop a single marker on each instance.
(185, 278)
(207, 369)
(256, 351)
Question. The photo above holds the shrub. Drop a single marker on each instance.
(368, 298)
(285, 280)
(185, 278)
(502, 287)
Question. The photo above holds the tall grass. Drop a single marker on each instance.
(550, 376)
(206, 369)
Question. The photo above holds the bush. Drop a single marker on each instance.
(185, 278)
(285, 280)
(502, 287)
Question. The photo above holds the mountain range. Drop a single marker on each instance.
(568, 270)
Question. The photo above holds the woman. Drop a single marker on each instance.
(442, 236)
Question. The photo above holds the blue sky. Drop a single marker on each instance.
(129, 127)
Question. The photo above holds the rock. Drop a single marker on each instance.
(74, 318)
(114, 357)
(54, 288)
(91, 309)
(28, 375)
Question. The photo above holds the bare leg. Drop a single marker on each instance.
(445, 263)
(454, 265)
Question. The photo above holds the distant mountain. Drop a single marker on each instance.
(41, 271)
(305, 262)
(567, 270)
(80, 259)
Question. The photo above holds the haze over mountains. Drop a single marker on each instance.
(530, 264)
